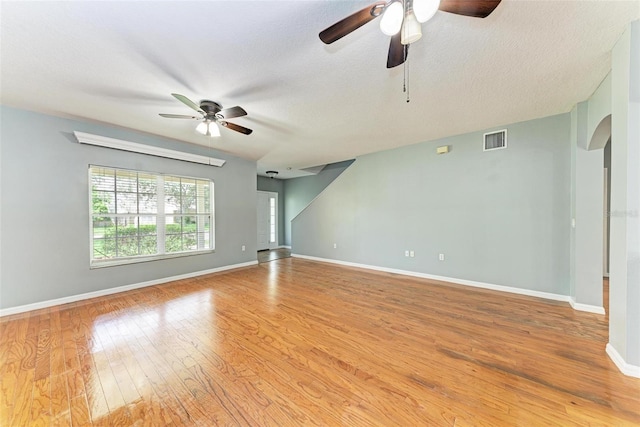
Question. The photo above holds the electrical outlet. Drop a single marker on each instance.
(406, 253)
(441, 257)
(335, 246)
(243, 248)
(412, 254)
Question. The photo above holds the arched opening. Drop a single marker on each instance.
(601, 139)
(601, 135)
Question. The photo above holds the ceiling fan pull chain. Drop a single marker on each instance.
(404, 53)
(406, 68)
(404, 77)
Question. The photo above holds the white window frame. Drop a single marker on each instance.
(273, 220)
(160, 222)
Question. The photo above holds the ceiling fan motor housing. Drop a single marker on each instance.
(211, 108)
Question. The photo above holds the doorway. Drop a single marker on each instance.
(267, 220)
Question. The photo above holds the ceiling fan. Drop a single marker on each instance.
(211, 114)
(401, 20)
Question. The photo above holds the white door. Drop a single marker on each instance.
(267, 220)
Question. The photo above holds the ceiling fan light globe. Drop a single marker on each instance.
(214, 130)
(202, 128)
(411, 29)
(425, 9)
(391, 20)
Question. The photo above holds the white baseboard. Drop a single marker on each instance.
(103, 292)
(586, 307)
(283, 247)
(528, 292)
(625, 368)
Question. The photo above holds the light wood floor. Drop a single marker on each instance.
(294, 342)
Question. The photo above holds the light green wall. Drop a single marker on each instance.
(587, 205)
(624, 273)
(45, 208)
(500, 217)
(299, 192)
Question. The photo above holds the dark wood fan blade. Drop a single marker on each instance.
(475, 8)
(352, 22)
(230, 113)
(186, 101)
(237, 128)
(398, 52)
(178, 116)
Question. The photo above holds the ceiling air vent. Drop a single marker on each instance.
(495, 140)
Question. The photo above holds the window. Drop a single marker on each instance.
(139, 216)
(272, 219)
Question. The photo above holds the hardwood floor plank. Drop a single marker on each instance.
(21, 409)
(297, 342)
(86, 345)
(41, 403)
(12, 341)
(30, 344)
(56, 363)
(79, 409)
(43, 347)
(59, 402)
(69, 349)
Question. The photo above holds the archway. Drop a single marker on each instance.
(601, 134)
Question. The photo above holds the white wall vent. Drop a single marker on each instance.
(495, 140)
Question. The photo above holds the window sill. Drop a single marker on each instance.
(139, 259)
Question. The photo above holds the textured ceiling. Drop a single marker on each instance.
(308, 103)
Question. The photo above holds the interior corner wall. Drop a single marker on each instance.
(633, 290)
(275, 185)
(299, 192)
(624, 271)
(45, 208)
(572, 232)
(499, 217)
(587, 206)
(607, 210)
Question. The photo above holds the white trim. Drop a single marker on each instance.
(113, 262)
(586, 307)
(283, 247)
(528, 292)
(625, 368)
(103, 292)
(274, 244)
(119, 144)
(270, 194)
